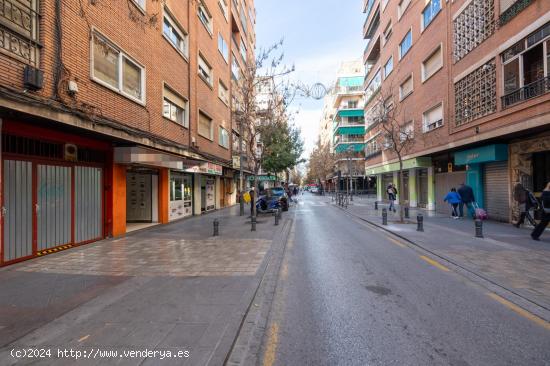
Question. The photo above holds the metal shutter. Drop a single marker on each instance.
(443, 184)
(495, 186)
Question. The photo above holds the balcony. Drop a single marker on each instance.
(349, 148)
(529, 91)
(370, 27)
(372, 53)
(345, 139)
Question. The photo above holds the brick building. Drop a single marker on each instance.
(470, 80)
(115, 115)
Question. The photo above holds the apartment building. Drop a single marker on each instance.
(115, 116)
(469, 79)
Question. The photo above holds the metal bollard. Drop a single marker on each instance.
(384, 217)
(216, 227)
(406, 212)
(253, 221)
(420, 222)
(479, 228)
(276, 214)
(376, 205)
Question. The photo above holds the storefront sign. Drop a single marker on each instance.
(263, 178)
(485, 154)
(422, 162)
(206, 168)
(236, 162)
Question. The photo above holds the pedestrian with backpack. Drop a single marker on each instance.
(545, 199)
(453, 198)
(392, 196)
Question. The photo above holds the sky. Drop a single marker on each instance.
(318, 35)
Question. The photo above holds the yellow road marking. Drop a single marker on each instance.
(543, 323)
(269, 357)
(83, 338)
(434, 263)
(396, 242)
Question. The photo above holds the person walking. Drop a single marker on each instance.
(392, 196)
(545, 199)
(526, 200)
(467, 197)
(453, 198)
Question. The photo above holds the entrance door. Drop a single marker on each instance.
(88, 207)
(139, 193)
(17, 209)
(54, 211)
(422, 186)
(223, 194)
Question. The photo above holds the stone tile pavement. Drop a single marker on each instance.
(168, 288)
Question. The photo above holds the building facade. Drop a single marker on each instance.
(115, 116)
(470, 80)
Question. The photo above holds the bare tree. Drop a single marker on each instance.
(321, 162)
(253, 116)
(397, 131)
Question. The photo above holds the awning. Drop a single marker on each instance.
(351, 113)
(350, 130)
(422, 162)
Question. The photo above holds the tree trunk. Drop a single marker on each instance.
(401, 185)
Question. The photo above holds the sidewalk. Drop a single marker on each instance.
(506, 255)
(172, 287)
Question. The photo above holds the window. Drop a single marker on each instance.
(432, 64)
(472, 26)
(405, 44)
(387, 33)
(242, 17)
(223, 92)
(430, 11)
(174, 34)
(402, 7)
(407, 131)
(224, 138)
(223, 47)
(205, 71)
(204, 16)
(205, 126)
(224, 8)
(388, 67)
(243, 50)
(140, 3)
(433, 118)
(352, 104)
(406, 88)
(373, 86)
(235, 68)
(114, 69)
(175, 107)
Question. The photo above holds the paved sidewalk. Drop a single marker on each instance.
(506, 255)
(168, 288)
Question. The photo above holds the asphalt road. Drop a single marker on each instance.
(350, 295)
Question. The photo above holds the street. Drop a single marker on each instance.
(349, 294)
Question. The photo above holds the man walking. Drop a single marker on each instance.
(467, 196)
(545, 198)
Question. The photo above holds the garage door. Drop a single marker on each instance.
(495, 178)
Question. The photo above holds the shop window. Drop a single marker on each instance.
(541, 170)
(115, 70)
(475, 94)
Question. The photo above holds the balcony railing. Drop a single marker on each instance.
(349, 140)
(19, 31)
(535, 89)
(349, 89)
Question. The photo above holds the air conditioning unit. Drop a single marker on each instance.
(70, 152)
(33, 78)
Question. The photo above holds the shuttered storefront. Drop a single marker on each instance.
(495, 186)
(443, 184)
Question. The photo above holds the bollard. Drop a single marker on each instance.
(216, 227)
(276, 214)
(253, 221)
(479, 228)
(376, 205)
(406, 212)
(420, 222)
(384, 217)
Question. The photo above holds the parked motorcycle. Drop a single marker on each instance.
(266, 204)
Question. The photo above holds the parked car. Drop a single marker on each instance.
(314, 190)
(280, 194)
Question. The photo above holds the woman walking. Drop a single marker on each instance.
(392, 196)
(545, 199)
(453, 198)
